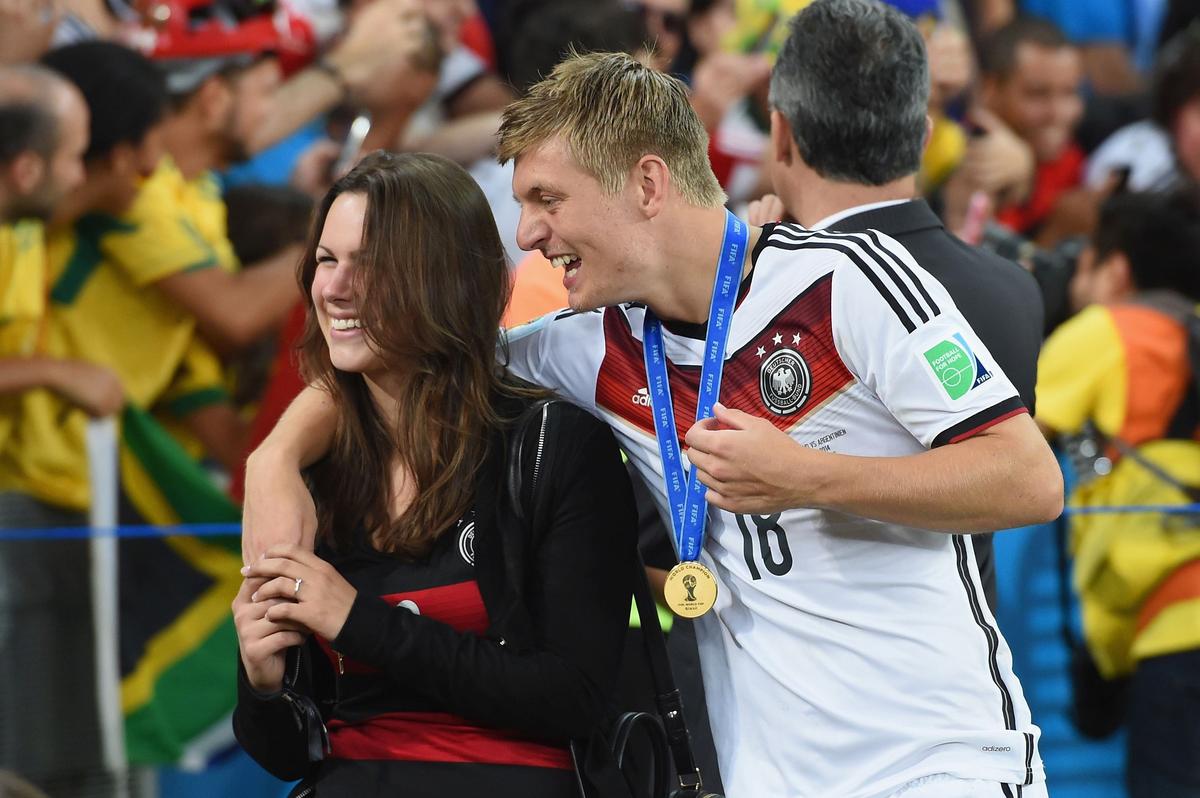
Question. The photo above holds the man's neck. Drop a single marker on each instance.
(683, 284)
(87, 198)
(823, 198)
(193, 155)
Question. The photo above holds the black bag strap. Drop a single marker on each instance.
(666, 694)
(667, 697)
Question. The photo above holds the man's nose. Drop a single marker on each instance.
(531, 230)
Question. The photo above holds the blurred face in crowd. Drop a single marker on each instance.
(248, 105)
(664, 20)
(1040, 99)
(63, 171)
(1185, 135)
(113, 181)
(333, 287)
(1098, 281)
(577, 225)
(709, 29)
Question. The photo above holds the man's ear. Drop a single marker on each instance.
(652, 180)
(783, 144)
(1121, 276)
(26, 171)
(213, 100)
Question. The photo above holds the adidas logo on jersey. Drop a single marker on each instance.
(642, 397)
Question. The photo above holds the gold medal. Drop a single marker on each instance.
(690, 590)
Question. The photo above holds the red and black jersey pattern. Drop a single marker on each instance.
(804, 328)
(375, 717)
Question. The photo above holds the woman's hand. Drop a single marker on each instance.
(317, 598)
(263, 643)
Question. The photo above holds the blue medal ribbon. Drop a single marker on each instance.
(686, 493)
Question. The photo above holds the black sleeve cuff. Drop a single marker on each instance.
(364, 636)
(977, 423)
(247, 692)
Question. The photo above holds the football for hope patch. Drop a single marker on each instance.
(955, 367)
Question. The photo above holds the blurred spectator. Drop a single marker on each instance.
(423, 98)
(216, 104)
(26, 29)
(1116, 38)
(1120, 378)
(542, 33)
(1158, 151)
(43, 136)
(45, 455)
(665, 22)
(1022, 155)
(462, 116)
(759, 27)
(395, 98)
(728, 93)
(368, 50)
(49, 667)
(951, 71)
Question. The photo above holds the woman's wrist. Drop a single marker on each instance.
(262, 687)
(270, 457)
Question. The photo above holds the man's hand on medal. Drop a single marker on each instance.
(315, 596)
(748, 464)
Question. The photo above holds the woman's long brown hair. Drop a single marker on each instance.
(431, 284)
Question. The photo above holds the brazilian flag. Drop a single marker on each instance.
(177, 639)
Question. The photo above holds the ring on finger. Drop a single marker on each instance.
(296, 589)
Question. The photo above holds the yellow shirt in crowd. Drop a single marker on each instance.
(22, 300)
(1124, 368)
(103, 308)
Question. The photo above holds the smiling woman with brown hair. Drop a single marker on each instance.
(447, 637)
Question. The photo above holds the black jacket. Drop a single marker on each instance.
(557, 587)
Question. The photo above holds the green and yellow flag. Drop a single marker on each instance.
(177, 640)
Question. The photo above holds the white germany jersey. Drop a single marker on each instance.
(845, 657)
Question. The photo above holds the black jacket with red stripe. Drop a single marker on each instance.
(556, 588)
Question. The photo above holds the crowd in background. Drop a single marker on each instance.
(159, 161)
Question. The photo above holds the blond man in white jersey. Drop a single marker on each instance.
(845, 656)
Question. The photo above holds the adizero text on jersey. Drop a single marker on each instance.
(845, 657)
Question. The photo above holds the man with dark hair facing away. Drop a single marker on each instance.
(846, 158)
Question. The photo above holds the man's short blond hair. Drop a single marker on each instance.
(611, 110)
